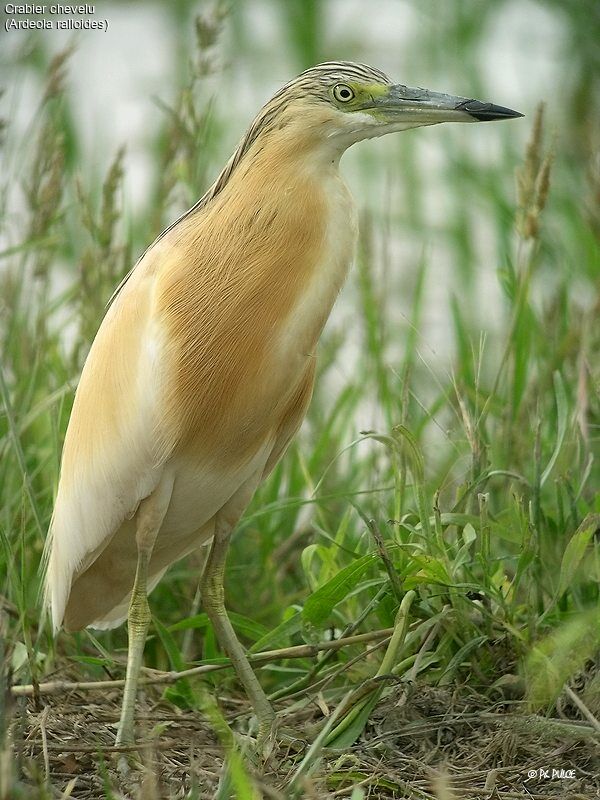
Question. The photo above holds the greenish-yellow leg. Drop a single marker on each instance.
(149, 518)
(213, 600)
(138, 621)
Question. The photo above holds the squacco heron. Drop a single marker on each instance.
(203, 367)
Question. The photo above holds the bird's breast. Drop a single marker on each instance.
(300, 329)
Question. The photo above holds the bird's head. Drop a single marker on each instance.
(330, 107)
(343, 103)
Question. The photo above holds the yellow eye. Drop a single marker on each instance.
(343, 93)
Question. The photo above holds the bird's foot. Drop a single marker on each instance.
(128, 756)
(124, 765)
(129, 761)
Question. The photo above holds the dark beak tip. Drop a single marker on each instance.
(485, 112)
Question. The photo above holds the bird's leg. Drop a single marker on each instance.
(213, 600)
(150, 515)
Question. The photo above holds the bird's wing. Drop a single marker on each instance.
(111, 456)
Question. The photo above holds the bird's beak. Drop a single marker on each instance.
(422, 107)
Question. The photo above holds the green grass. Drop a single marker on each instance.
(476, 496)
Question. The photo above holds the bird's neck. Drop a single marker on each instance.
(304, 147)
(293, 193)
(299, 158)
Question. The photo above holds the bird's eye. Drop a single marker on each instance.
(343, 93)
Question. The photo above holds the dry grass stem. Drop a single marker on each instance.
(297, 651)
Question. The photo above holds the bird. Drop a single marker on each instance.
(203, 366)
